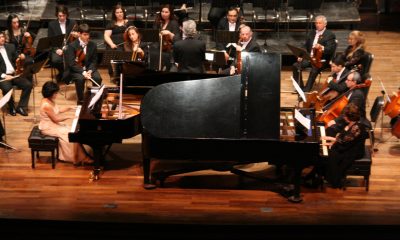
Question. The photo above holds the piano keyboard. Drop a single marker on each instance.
(322, 133)
(76, 118)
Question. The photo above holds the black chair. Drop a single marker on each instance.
(42, 143)
(366, 63)
(361, 167)
(376, 110)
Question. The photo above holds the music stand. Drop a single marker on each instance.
(150, 35)
(111, 55)
(299, 52)
(225, 37)
(32, 70)
(3, 102)
(216, 57)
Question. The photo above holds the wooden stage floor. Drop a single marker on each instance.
(69, 204)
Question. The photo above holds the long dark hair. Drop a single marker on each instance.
(159, 19)
(9, 24)
(116, 7)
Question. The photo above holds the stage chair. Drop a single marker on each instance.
(361, 167)
(42, 143)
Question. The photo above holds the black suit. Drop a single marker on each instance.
(328, 40)
(340, 84)
(54, 29)
(21, 82)
(190, 55)
(74, 72)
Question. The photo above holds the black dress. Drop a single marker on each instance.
(349, 146)
(117, 34)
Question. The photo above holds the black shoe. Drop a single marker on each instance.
(13, 112)
(21, 111)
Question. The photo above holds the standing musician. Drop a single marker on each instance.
(134, 44)
(59, 26)
(355, 96)
(355, 52)
(81, 59)
(320, 43)
(8, 56)
(345, 147)
(169, 32)
(189, 53)
(21, 38)
(246, 44)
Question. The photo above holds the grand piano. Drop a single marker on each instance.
(235, 119)
(101, 125)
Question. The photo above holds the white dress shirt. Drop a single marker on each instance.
(9, 67)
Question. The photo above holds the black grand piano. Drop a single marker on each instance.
(101, 125)
(235, 119)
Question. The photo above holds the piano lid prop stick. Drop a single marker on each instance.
(120, 97)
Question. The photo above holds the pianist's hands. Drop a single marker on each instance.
(331, 123)
(328, 140)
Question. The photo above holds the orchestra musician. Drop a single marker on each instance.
(113, 35)
(168, 26)
(219, 8)
(246, 44)
(189, 53)
(355, 52)
(134, 44)
(355, 96)
(339, 75)
(319, 40)
(59, 26)
(52, 123)
(20, 37)
(346, 146)
(8, 78)
(81, 60)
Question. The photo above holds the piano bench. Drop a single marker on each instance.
(361, 167)
(42, 143)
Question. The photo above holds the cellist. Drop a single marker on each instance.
(355, 96)
(81, 61)
(59, 26)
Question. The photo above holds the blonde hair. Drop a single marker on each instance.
(360, 41)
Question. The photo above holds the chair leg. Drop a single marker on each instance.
(53, 162)
(33, 158)
(366, 179)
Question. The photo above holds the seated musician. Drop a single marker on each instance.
(21, 38)
(52, 123)
(345, 147)
(355, 52)
(229, 23)
(219, 8)
(81, 61)
(134, 44)
(169, 31)
(319, 39)
(59, 26)
(246, 44)
(356, 96)
(8, 79)
(189, 53)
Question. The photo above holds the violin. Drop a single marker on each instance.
(167, 43)
(317, 57)
(80, 57)
(27, 42)
(19, 66)
(71, 37)
(336, 107)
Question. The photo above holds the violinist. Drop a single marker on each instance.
(355, 96)
(320, 42)
(81, 60)
(8, 55)
(189, 53)
(229, 23)
(169, 32)
(59, 26)
(220, 8)
(246, 44)
(113, 35)
(355, 52)
(133, 44)
(21, 38)
(345, 146)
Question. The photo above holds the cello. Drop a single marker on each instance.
(335, 108)
(392, 109)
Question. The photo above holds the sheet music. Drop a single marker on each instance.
(96, 97)
(298, 89)
(209, 56)
(76, 118)
(6, 98)
(10, 78)
(302, 119)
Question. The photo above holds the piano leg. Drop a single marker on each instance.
(296, 197)
(98, 159)
(147, 184)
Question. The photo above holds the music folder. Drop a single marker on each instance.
(33, 68)
(299, 52)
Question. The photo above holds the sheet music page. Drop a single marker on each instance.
(298, 89)
(302, 119)
(6, 98)
(209, 56)
(96, 97)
